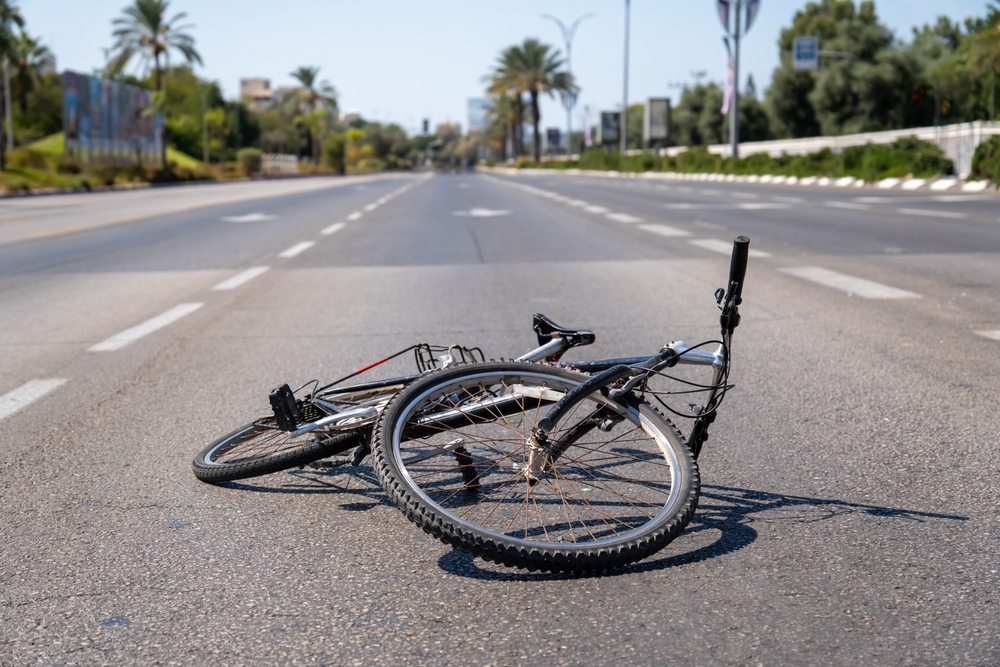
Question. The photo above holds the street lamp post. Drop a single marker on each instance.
(568, 97)
(623, 130)
(734, 110)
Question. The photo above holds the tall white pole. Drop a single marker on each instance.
(623, 130)
(10, 105)
(734, 109)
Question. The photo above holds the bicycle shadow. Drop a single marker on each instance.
(730, 511)
(345, 480)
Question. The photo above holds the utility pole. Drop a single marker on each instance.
(568, 98)
(204, 127)
(623, 130)
(9, 107)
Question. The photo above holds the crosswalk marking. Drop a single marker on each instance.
(867, 289)
(724, 248)
(122, 339)
(26, 394)
(664, 230)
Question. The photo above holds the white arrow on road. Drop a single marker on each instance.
(250, 217)
(482, 213)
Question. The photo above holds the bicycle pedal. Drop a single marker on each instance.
(286, 413)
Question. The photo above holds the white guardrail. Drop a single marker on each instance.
(957, 141)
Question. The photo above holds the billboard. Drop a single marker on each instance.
(105, 121)
(609, 128)
(656, 121)
(477, 113)
(553, 137)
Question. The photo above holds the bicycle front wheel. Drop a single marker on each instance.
(452, 451)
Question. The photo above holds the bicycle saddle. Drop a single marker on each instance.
(547, 330)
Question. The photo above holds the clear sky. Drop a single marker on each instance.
(404, 60)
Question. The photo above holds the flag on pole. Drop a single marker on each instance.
(753, 6)
(727, 99)
(723, 7)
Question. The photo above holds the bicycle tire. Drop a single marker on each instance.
(608, 499)
(260, 449)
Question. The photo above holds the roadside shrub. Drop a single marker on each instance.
(986, 160)
(24, 156)
(65, 164)
(490, 162)
(598, 158)
(250, 160)
(104, 172)
(525, 162)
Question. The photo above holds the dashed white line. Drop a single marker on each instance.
(595, 209)
(992, 335)
(354, 216)
(930, 213)
(335, 227)
(847, 205)
(753, 206)
(723, 248)
(250, 217)
(867, 289)
(296, 249)
(241, 278)
(623, 217)
(371, 207)
(120, 340)
(664, 230)
(26, 394)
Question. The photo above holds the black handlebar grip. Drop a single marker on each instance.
(738, 266)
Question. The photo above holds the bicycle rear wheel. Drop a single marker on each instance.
(260, 448)
(452, 452)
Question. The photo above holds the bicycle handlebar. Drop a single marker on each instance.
(738, 266)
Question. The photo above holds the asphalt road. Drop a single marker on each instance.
(850, 512)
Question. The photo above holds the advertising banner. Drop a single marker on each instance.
(656, 125)
(553, 137)
(609, 128)
(106, 120)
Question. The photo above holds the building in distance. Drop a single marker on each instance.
(477, 107)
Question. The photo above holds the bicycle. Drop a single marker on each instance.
(554, 466)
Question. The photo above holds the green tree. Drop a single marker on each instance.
(504, 116)
(9, 17)
(29, 59)
(533, 68)
(313, 101)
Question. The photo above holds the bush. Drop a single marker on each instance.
(104, 172)
(986, 160)
(250, 160)
(27, 157)
(525, 162)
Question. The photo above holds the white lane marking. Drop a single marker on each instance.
(931, 214)
(296, 249)
(789, 200)
(120, 340)
(335, 227)
(578, 202)
(623, 217)
(664, 230)
(685, 206)
(721, 247)
(26, 394)
(595, 209)
(753, 206)
(250, 217)
(992, 335)
(480, 213)
(241, 278)
(383, 200)
(354, 216)
(867, 289)
(847, 205)
(371, 207)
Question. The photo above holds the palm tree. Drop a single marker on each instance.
(313, 100)
(30, 59)
(145, 32)
(504, 113)
(9, 16)
(532, 68)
